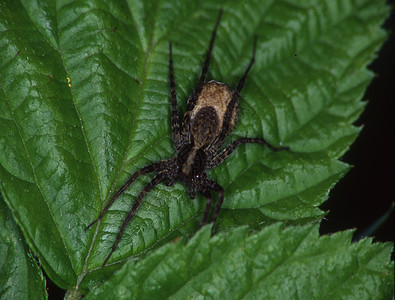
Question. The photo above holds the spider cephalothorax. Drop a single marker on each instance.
(210, 116)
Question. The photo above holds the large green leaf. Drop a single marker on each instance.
(20, 276)
(271, 264)
(84, 102)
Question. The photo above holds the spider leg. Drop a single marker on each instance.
(159, 165)
(240, 85)
(175, 125)
(194, 96)
(221, 156)
(208, 55)
(209, 198)
(217, 188)
(155, 181)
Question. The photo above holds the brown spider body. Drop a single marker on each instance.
(210, 116)
(206, 120)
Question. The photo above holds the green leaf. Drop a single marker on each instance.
(275, 263)
(84, 103)
(21, 277)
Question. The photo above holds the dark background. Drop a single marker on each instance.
(366, 193)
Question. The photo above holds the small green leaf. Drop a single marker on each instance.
(21, 277)
(275, 263)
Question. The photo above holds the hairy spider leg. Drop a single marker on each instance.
(216, 188)
(221, 156)
(155, 181)
(194, 96)
(209, 186)
(209, 198)
(175, 125)
(159, 165)
(208, 55)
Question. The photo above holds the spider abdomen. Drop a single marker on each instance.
(207, 116)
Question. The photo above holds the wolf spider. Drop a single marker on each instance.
(210, 116)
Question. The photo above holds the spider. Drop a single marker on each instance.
(210, 116)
